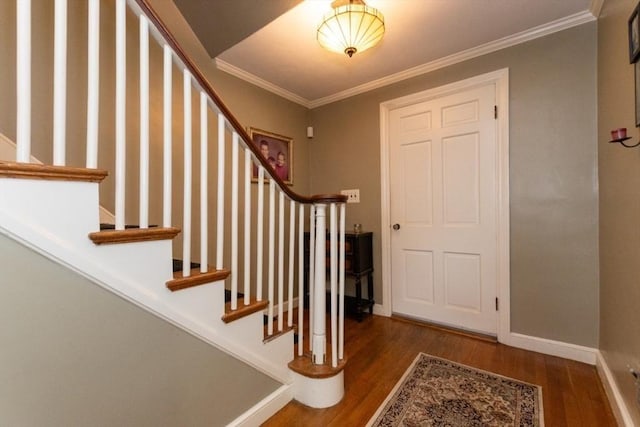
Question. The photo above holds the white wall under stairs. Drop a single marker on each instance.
(55, 218)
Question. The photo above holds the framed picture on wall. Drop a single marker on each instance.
(277, 150)
(634, 35)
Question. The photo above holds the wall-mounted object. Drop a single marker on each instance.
(309, 132)
(622, 140)
(620, 135)
(277, 150)
(634, 35)
(634, 55)
(636, 73)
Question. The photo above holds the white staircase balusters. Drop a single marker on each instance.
(280, 261)
(221, 181)
(121, 105)
(270, 266)
(234, 221)
(301, 280)
(93, 82)
(60, 83)
(260, 234)
(187, 188)
(23, 81)
(247, 225)
(144, 122)
(167, 139)
(204, 184)
(312, 269)
(292, 252)
(341, 273)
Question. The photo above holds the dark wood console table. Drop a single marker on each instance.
(358, 264)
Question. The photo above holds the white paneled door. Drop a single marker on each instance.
(443, 189)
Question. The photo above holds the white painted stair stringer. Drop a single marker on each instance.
(55, 217)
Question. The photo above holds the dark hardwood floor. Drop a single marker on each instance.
(380, 349)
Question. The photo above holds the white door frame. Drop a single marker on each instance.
(501, 80)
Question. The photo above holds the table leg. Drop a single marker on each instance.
(370, 292)
(358, 284)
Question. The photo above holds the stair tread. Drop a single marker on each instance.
(133, 235)
(195, 278)
(50, 173)
(277, 333)
(243, 310)
(304, 366)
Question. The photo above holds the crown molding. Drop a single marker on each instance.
(531, 34)
(522, 37)
(261, 83)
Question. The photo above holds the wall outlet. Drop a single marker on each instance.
(353, 196)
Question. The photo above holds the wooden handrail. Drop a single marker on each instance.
(329, 198)
(206, 86)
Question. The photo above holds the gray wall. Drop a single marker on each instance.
(73, 353)
(554, 211)
(619, 178)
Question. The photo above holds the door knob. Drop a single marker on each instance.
(396, 226)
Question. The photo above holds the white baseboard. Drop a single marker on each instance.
(618, 405)
(263, 410)
(379, 309)
(541, 345)
(554, 348)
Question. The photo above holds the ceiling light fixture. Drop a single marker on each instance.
(351, 27)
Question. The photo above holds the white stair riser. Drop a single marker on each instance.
(66, 210)
(147, 263)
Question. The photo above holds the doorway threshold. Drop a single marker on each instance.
(446, 328)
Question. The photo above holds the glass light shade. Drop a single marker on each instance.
(350, 28)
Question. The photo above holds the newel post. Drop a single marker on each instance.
(319, 334)
(318, 290)
(319, 379)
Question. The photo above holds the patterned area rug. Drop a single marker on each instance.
(437, 392)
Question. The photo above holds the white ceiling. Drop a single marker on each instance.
(421, 35)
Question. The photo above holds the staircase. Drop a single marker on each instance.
(256, 242)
